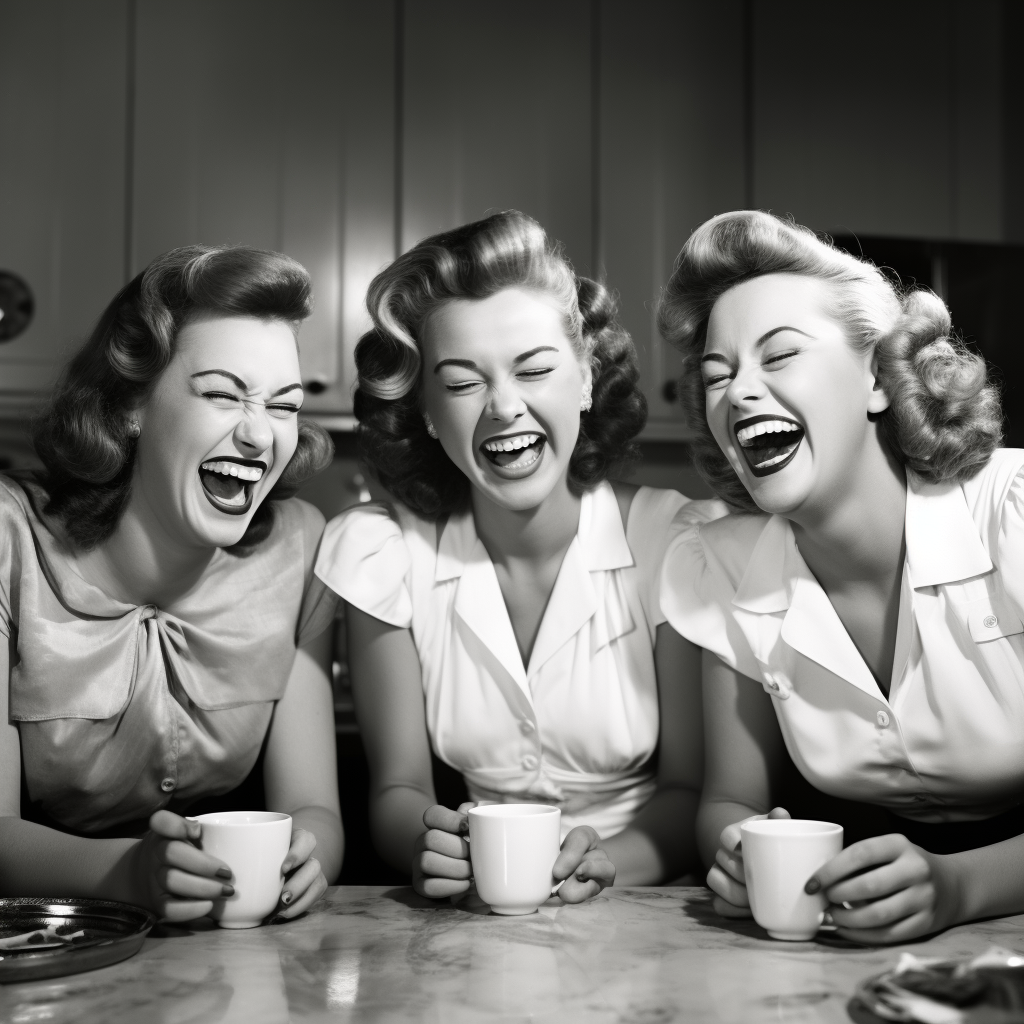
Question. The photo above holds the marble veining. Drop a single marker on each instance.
(369, 953)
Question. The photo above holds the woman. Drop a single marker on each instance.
(505, 612)
(154, 586)
(870, 621)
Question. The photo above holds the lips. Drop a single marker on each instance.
(514, 455)
(768, 443)
(228, 483)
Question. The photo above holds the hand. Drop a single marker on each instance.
(583, 864)
(170, 876)
(887, 890)
(304, 880)
(726, 877)
(440, 863)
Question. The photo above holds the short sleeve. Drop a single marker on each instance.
(14, 535)
(364, 560)
(696, 598)
(1010, 550)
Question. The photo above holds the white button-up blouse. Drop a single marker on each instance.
(578, 725)
(948, 742)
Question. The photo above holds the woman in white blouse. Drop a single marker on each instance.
(870, 623)
(505, 610)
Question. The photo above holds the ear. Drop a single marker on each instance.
(878, 400)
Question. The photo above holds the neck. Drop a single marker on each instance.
(140, 563)
(858, 533)
(535, 534)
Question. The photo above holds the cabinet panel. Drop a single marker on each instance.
(497, 115)
(671, 155)
(272, 125)
(62, 107)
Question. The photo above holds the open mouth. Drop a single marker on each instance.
(768, 443)
(514, 455)
(228, 483)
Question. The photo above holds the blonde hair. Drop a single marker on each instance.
(944, 419)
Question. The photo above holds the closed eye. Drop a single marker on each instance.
(714, 380)
(534, 372)
(221, 394)
(463, 387)
(780, 357)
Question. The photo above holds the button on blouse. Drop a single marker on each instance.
(947, 744)
(576, 726)
(124, 709)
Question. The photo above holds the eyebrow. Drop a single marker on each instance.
(757, 344)
(240, 384)
(470, 365)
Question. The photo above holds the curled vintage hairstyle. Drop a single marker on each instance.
(507, 250)
(84, 438)
(944, 418)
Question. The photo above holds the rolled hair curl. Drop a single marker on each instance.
(944, 418)
(84, 436)
(506, 250)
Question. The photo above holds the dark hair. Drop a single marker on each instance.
(506, 250)
(944, 418)
(83, 437)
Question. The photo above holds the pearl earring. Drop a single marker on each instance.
(431, 429)
(587, 400)
(134, 429)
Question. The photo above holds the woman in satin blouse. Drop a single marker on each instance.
(160, 616)
(504, 611)
(866, 612)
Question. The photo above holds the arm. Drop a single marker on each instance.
(660, 843)
(388, 693)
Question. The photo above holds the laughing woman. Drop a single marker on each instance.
(867, 614)
(155, 584)
(505, 610)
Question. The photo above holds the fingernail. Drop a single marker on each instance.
(286, 867)
(227, 890)
(286, 897)
(812, 886)
(223, 872)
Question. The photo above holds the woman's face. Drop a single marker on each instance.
(218, 429)
(787, 395)
(502, 385)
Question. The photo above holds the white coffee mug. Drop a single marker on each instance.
(254, 845)
(513, 848)
(779, 856)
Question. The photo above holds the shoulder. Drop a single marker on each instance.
(295, 515)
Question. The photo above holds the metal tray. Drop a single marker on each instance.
(113, 932)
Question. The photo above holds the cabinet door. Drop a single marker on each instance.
(671, 155)
(272, 125)
(63, 90)
(497, 115)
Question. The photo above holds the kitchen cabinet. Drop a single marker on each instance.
(63, 90)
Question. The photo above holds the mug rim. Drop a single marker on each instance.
(217, 818)
(784, 828)
(521, 810)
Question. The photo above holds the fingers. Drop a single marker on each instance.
(443, 843)
(913, 927)
(174, 826)
(183, 883)
(186, 857)
(888, 911)
(855, 859)
(907, 870)
(731, 834)
(778, 812)
(438, 888)
(590, 877)
(445, 819)
(465, 808)
(302, 845)
(439, 866)
(731, 864)
(183, 910)
(725, 909)
(302, 890)
(728, 889)
(577, 844)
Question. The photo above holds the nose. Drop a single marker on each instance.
(253, 433)
(747, 386)
(504, 403)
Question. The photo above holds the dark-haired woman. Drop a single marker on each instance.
(505, 611)
(157, 603)
(868, 612)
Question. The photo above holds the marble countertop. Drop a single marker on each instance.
(370, 953)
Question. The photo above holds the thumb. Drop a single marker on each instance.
(778, 812)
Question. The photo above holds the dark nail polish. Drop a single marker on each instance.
(227, 890)
(812, 886)
(286, 898)
(223, 872)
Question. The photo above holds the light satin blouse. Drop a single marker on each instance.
(948, 742)
(578, 725)
(124, 709)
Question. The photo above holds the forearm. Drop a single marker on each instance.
(712, 817)
(987, 882)
(396, 820)
(330, 837)
(39, 861)
(660, 843)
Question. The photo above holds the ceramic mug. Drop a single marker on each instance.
(779, 856)
(513, 848)
(254, 845)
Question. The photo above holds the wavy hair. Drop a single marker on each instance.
(83, 438)
(506, 250)
(944, 419)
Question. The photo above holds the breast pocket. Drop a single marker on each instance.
(992, 617)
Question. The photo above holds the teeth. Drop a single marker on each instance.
(765, 427)
(248, 474)
(511, 444)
